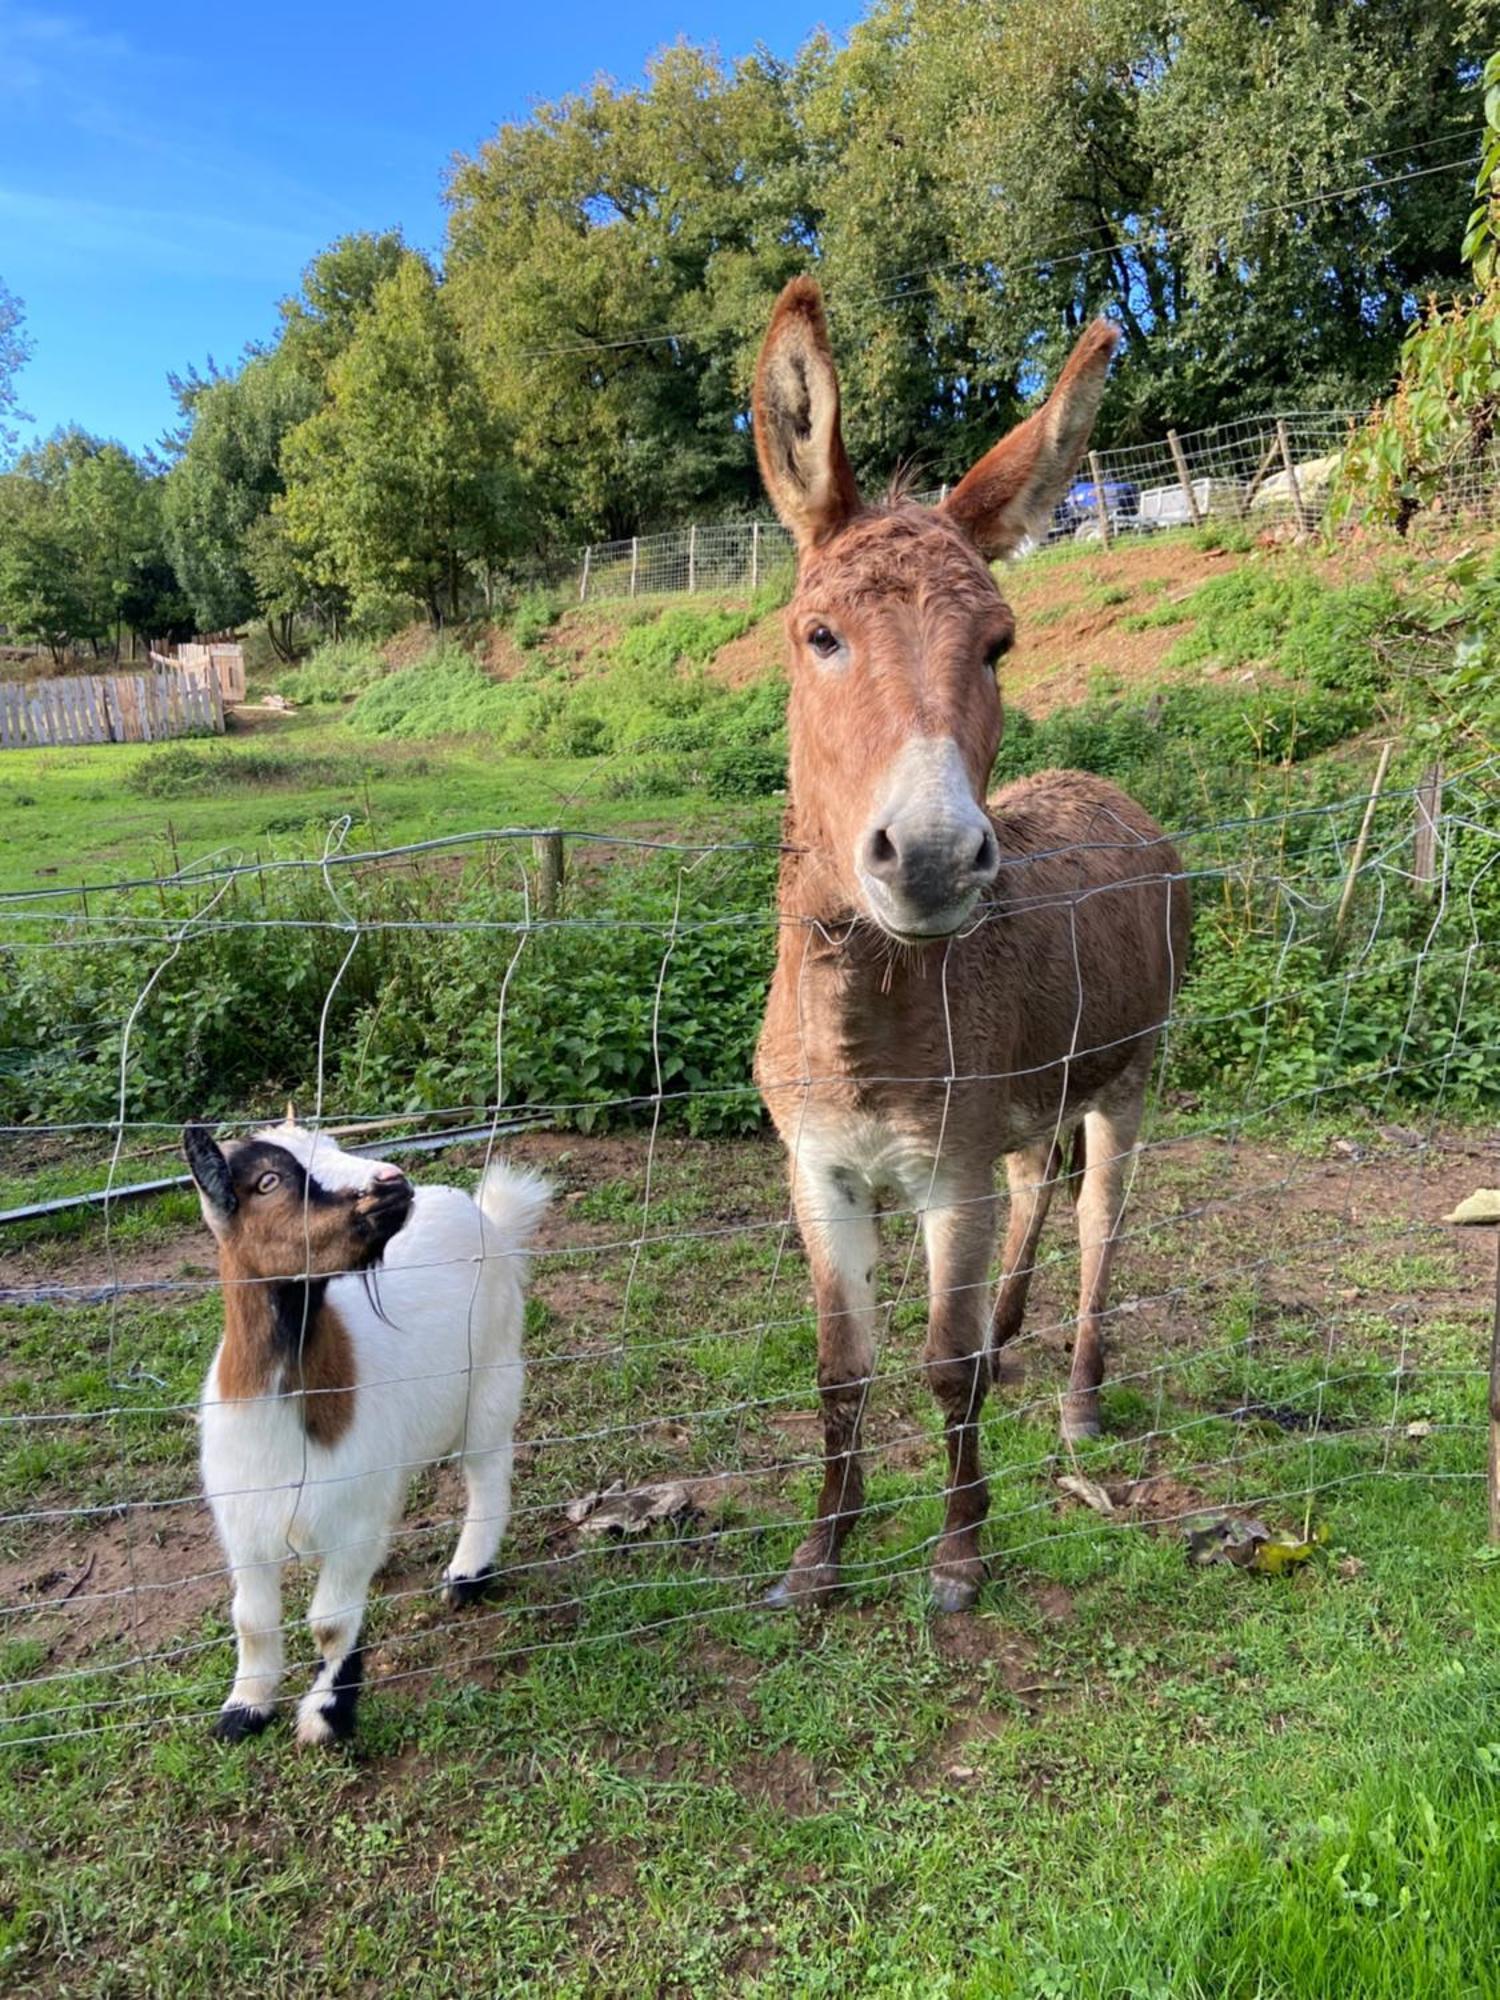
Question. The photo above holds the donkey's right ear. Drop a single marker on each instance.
(796, 407)
(210, 1171)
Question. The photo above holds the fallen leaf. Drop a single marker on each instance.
(1481, 1206)
(1247, 1543)
(1420, 1429)
(622, 1510)
(1086, 1490)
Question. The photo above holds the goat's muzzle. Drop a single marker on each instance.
(382, 1208)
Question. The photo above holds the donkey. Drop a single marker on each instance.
(956, 980)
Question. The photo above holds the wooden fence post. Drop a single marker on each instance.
(1100, 505)
(754, 554)
(583, 581)
(1298, 512)
(1356, 860)
(1424, 842)
(692, 558)
(635, 561)
(548, 849)
(1187, 485)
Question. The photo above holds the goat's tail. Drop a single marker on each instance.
(513, 1203)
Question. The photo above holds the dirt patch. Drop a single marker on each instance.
(121, 1585)
(785, 1781)
(752, 657)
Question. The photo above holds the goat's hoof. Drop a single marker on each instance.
(461, 1591)
(321, 1727)
(954, 1591)
(235, 1723)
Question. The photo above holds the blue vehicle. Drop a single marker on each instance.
(1078, 510)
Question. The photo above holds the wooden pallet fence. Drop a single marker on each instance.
(108, 708)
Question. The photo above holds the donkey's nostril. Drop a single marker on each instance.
(987, 856)
(881, 856)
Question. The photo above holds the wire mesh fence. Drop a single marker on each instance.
(1261, 472)
(1291, 1318)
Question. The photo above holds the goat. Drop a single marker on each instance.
(335, 1380)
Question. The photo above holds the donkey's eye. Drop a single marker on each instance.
(266, 1182)
(996, 650)
(823, 641)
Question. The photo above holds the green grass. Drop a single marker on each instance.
(1123, 1777)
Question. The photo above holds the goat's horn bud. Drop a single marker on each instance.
(291, 1112)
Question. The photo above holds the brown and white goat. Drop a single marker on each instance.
(956, 979)
(333, 1384)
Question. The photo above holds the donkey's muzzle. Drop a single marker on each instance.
(923, 877)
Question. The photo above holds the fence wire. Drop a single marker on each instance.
(1289, 1319)
(1262, 473)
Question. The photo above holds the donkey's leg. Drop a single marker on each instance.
(837, 1219)
(1033, 1174)
(1109, 1134)
(257, 1628)
(960, 1238)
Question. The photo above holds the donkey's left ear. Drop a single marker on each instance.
(798, 439)
(1015, 486)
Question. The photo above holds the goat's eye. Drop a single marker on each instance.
(266, 1182)
(823, 641)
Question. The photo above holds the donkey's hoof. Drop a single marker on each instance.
(803, 1589)
(954, 1591)
(235, 1723)
(1080, 1421)
(461, 1591)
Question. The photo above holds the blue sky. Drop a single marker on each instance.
(167, 169)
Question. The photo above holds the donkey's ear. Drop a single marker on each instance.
(1015, 486)
(210, 1170)
(797, 436)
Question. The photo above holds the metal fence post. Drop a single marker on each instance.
(692, 558)
(583, 581)
(635, 561)
(1424, 843)
(754, 554)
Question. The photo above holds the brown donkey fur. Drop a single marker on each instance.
(956, 980)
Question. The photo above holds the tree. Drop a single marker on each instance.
(397, 487)
(338, 289)
(15, 350)
(226, 479)
(79, 526)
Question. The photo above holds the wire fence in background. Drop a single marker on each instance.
(1261, 472)
(1290, 1317)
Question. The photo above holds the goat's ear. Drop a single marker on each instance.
(210, 1171)
(797, 436)
(1015, 486)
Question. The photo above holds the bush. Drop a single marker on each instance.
(534, 616)
(336, 671)
(445, 693)
(178, 772)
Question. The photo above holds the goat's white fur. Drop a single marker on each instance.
(438, 1369)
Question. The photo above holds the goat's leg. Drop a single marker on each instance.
(326, 1712)
(960, 1237)
(261, 1652)
(487, 1460)
(837, 1219)
(1032, 1175)
(1109, 1134)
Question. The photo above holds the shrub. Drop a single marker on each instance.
(336, 671)
(179, 772)
(534, 616)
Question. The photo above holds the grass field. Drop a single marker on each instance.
(1127, 1777)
